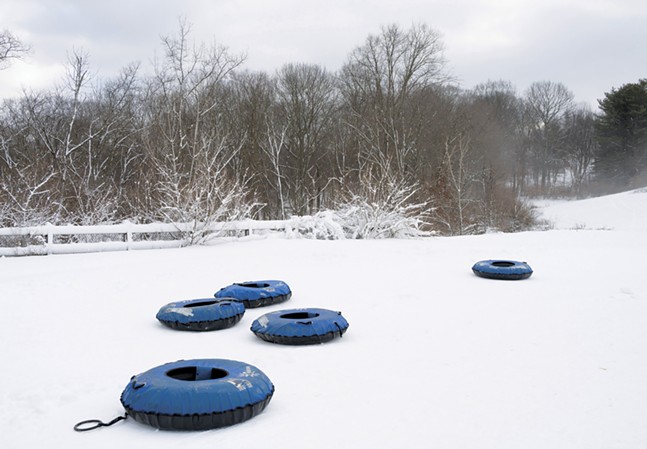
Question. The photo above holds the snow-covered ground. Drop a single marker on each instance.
(625, 211)
(435, 357)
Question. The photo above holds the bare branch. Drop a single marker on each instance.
(11, 48)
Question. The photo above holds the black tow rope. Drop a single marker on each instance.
(92, 424)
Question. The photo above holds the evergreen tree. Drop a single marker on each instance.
(621, 131)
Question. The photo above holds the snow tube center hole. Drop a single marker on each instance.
(253, 285)
(191, 373)
(503, 264)
(299, 315)
(199, 304)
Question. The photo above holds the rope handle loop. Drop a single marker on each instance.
(91, 424)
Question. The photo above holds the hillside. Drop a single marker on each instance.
(435, 357)
(625, 211)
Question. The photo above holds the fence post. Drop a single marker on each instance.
(50, 237)
(129, 234)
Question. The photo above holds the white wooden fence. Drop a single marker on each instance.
(119, 237)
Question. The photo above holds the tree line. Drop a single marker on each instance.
(205, 139)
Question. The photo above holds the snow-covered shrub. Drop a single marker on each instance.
(361, 219)
(26, 202)
(382, 212)
(204, 204)
(385, 206)
(323, 225)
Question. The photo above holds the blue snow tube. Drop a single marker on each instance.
(300, 326)
(201, 314)
(197, 394)
(256, 293)
(502, 269)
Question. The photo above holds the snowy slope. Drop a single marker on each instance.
(435, 357)
(625, 211)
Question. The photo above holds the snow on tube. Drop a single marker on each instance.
(197, 394)
(201, 314)
(502, 269)
(300, 326)
(256, 293)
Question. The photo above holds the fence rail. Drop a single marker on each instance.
(120, 237)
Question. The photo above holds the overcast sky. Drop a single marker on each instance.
(589, 45)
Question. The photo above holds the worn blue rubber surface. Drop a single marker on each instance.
(256, 293)
(502, 269)
(201, 314)
(300, 326)
(197, 394)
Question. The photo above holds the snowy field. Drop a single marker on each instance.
(435, 357)
(620, 212)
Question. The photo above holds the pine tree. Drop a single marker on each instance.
(621, 131)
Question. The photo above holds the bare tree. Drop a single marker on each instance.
(274, 148)
(189, 146)
(87, 138)
(306, 99)
(455, 195)
(11, 48)
(500, 111)
(378, 82)
(547, 102)
(255, 122)
(58, 120)
(579, 146)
